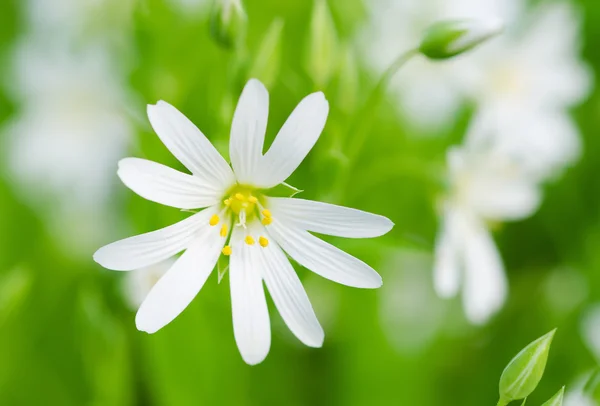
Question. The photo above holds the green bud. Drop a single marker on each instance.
(322, 45)
(265, 66)
(525, 370)
(446, 39)
(556, 400)
(228, 23)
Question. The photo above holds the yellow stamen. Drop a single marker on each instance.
(240, 197)
(245, 205)
(223, 230)
(252, 199)
(227, 202)
(226, 250)
(263, 241)
(214, 220)
(266, 221)
(266, 213)
(249, 240)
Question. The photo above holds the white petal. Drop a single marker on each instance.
(248, 130)
(180, 285)
(446, 268)
(251, 326)
(187, 143)
(165, 185)
(296, 138)
(329, 219)
(323, 258)
(149, 248)
(289, 296)
(485, 286)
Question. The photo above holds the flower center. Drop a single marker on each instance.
(243, 203)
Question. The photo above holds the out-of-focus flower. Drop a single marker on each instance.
(427, 92)
(484, 187)
(525, 82)
(577, 395)
(449, 38)
(241, 222)
(70, 128)
(522, 81)
(139, 283)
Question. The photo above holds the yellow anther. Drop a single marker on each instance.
(226, 250)
(263, 241)
(223, 230)
(240, 197)
(266, 213)
(227, 202)
(252, 199)
(266, 221)
(249, 240)
(214, 220)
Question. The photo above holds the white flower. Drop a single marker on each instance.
(525, 82)
(484, 186)
(70, 127)
(241, 221)
(428, 93)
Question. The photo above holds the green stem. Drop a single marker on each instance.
(362, 120)
(503, 402)
(364, 117)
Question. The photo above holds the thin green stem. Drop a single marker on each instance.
(503, 402)
(364, 117)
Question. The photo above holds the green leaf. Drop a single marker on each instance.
(524, 371)
(348, 80)
(322, 45)
(556, 400)
(265, 66)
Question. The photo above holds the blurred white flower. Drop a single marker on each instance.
(590, 329)
(241, 222)
(522, 81)
(577, 395)
(69, 129)
(524, 84)
(484, 187)
(427, 91)
(139, 283)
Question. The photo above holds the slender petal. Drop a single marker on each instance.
(322, 258)
(289, 296)
(180, 285)
(293, 142)
(329, 219)
(251, 326)
(485, 286)
(187, 143)
(248, 131)
(167, 186)
(446, 269)
(149, 248)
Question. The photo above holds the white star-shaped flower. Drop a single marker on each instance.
(241, 221)
(485, 186)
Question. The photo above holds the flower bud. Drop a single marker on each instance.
(228, 22)
(322, 45)
(265, 66)
(446, 39)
